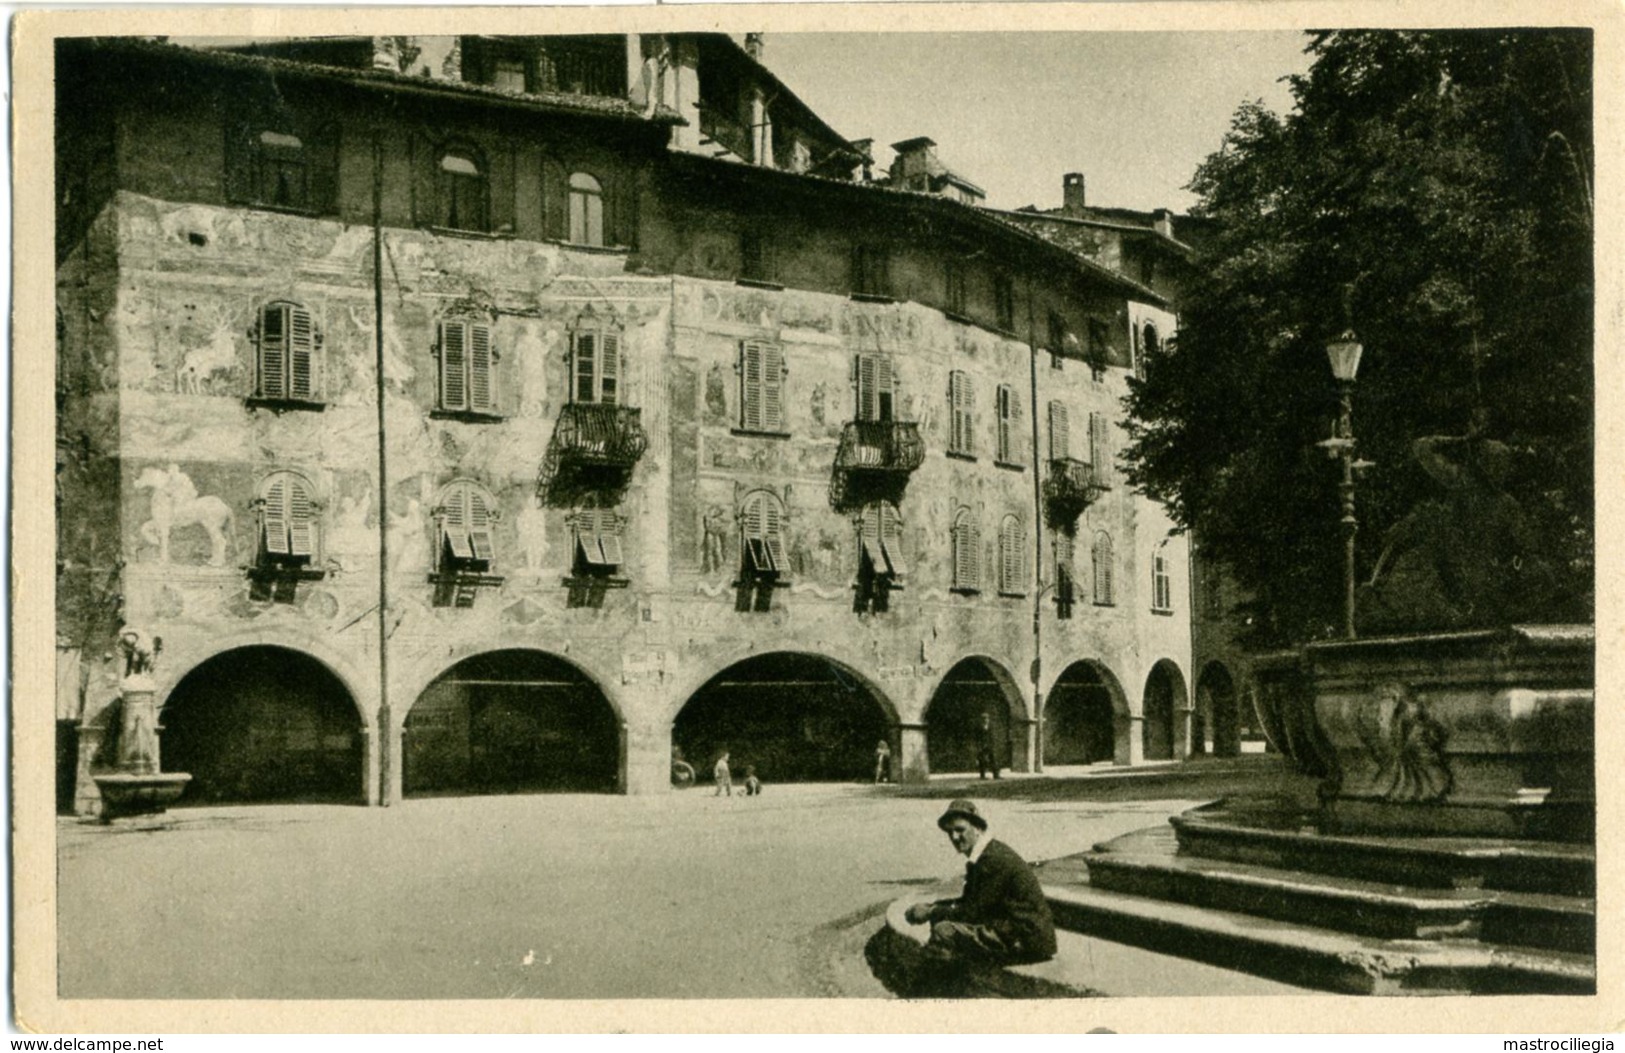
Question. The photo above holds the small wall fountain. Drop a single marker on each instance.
(138, 786)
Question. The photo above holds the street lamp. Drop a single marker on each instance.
(1344, 355)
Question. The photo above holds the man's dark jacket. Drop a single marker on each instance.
(1002, 892)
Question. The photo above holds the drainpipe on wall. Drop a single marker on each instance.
(385, 772)
(1035, 747)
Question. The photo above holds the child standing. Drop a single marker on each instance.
(724, 779)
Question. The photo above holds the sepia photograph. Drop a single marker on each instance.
(855, 506)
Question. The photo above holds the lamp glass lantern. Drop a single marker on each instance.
(1344, 355)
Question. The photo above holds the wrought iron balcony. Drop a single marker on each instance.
(1071, 487)
(594, 435)
(880, 446)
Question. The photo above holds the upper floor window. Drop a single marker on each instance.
(762, 535)
(1060, 438)
(1012, 557)
(1151, 345)
(467, 366)
(464, 522)
(464, 196)
(761, 386)
(597, 534)
(1065, 588)
(586, 210)
(1101, 557)
(280, 168)
(955, 295)
(1100, 446)
(881, 566)
(1004, 302)
(877, 387)
(1099, 345)
(1009, 407)
(756, 257)
(287, 346)
(1057, 333)
(288, 529)
(1162, 592)
(870, 271)
(595, 365)
(967, 546)
(961, 406)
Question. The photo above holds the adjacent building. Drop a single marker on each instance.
(480, 414)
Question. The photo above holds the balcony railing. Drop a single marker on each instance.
(880, 446)
(1072, 486)
(593, 435)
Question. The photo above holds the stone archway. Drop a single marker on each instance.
(264, 723)
(974, 689)
(792, 716)
(1161, 709)
(1218, 712)
(1085, 717)
(511, 721)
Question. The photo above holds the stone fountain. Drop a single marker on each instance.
(137, 786)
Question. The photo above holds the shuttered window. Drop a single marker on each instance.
(598, 539)
(762, 530)
(961, 406)
(877, 387)
(467, 376)
(1060, 437)
(1101, 557)
(1065, 590)
(761, 371)
(286, 357)
(288, 527)
(1009, 406)
(466, 521)
(882, 537)
(1100, 446)
(595, 366)
(1012, 565)
(967, 544)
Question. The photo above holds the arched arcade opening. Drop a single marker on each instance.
(975, 701)
(1219, 713)
(261, 724)
(793, 717)
(511, 721)
(1164, 694)
(1083, 717)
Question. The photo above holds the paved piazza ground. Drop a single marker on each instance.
(684, 895)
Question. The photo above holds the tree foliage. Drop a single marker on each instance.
(1432, 191)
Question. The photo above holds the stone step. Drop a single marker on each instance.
(1555, 868)
(1309, 956)
(1146, 864)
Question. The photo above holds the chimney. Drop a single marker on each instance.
(866, 153)
(1163, 221)
(754, 45)
(1072, 200)
(914, 164)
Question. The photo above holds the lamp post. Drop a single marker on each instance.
(1344, 355)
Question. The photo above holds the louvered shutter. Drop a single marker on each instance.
(301, 354)
(750, 367)
(773, 387)
(481, 382)
(275, 516)
(609, 368)
(585, 365)
(868, 394)
(609, 538)
(961, 406)
(891, 537)
(967, 554)
(455, 523)
(871, 539)
(1005, 422)
(1009, 553)
(1103, 568)
(773, 535)
(274, 351)
(1059, 434)
(479, 527)
(753, 531)
(453, 365)
(885, 388)
(301, 525)
(1100, 445)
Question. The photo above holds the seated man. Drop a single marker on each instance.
(1001, 918)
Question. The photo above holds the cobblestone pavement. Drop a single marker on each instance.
(684, 895)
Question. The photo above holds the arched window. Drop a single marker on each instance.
(762, 536)
(464, 521)
(463, 191)
(286, 345)
(967, 552)
(1101, 556)
(467, 366)
(288, 529)
(1012, 562)
(586, 210)
(282, 163)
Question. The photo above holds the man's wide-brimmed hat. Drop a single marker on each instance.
(962, 809)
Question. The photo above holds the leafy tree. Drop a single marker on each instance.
(1432, 191)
